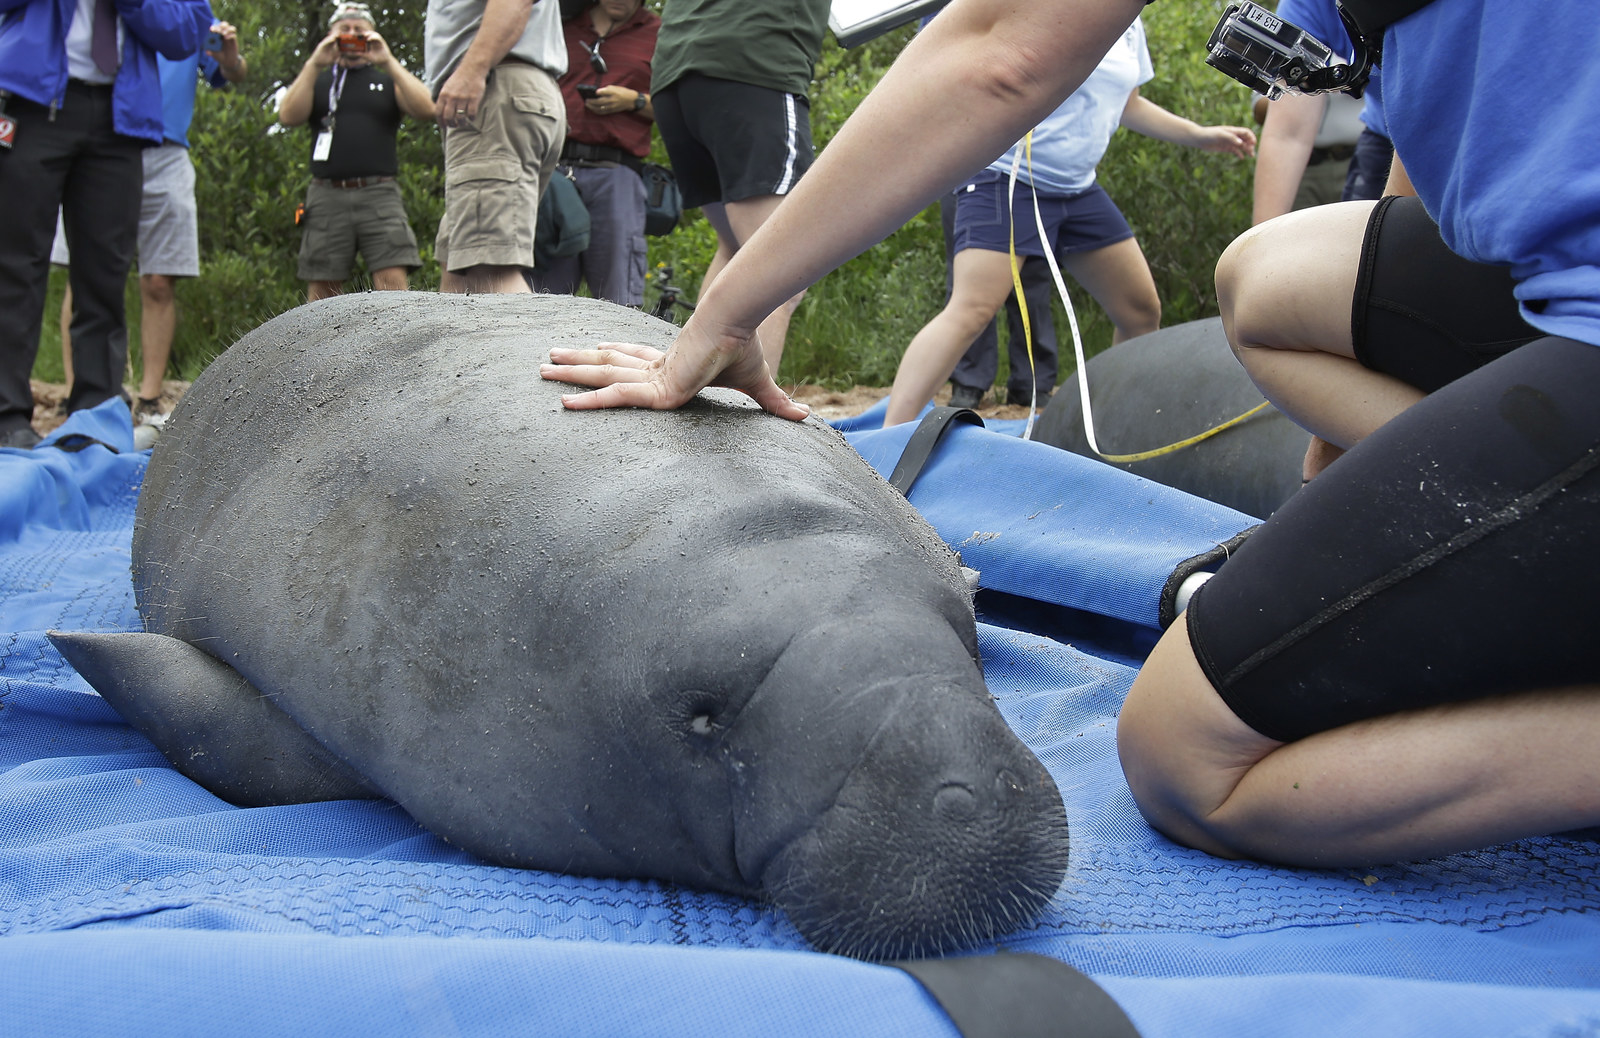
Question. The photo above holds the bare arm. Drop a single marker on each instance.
(1000, 67)
(229, 59)
(294, 108)
(409, 92)
(1144, 116)
(503, 23)
(1286, 138)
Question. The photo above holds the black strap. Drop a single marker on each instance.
(1019, 995)
(1374, 16)
(1211, 559)
(72, 443)
(920, 447)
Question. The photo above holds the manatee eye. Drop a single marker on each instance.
(699, 711)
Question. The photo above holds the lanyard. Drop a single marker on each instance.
(335, 90)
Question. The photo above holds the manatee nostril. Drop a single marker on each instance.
(954, 800)
(703, 725)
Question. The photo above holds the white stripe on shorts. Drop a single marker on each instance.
(791, 136)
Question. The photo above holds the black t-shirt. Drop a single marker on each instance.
(366, 120)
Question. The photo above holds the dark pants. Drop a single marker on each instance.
(978, 367)
(1369, 168)
(96, 175)
(613, 264)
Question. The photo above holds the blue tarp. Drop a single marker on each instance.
(132, 902)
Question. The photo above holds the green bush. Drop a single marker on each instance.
(1184, 205)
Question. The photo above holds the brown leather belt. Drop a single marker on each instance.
(349, 181)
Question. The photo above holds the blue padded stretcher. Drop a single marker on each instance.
(132, 902)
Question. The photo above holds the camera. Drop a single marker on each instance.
(214, 42)
(587, 90)
(1270, 55)
(352, 43)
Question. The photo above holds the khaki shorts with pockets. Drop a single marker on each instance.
(496, 168)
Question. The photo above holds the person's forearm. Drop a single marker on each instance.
(985, 72)
(1286, 139)
(410, 93)
(1143, 116)
(295, 106)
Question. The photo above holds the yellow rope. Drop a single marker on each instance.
(1077, 339)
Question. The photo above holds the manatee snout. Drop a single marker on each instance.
(946, 834)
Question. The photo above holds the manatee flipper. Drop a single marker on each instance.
(212, 724)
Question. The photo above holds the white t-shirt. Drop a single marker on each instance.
(1070, 142)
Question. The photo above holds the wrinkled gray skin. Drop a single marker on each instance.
(1170, 385)
(706, 646)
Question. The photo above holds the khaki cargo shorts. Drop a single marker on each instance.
(496, 168)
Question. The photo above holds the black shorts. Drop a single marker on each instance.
(1422, 313)
(730, 141)
(1453, 554)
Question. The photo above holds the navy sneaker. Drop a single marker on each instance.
(23, 439)
(965, 396)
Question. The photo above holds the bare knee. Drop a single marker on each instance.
(157, 290)
(1139, 315)
(389, 279)
(1183, 751)
(1237, 274)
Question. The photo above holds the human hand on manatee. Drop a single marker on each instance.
(629, 375)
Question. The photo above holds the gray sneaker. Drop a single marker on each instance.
(23, 439)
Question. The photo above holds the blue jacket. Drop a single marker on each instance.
(33, 54)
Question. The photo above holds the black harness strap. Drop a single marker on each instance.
(920, 447)
(1019, 995)
(1374, 16)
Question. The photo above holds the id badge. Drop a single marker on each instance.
(322, 146)
(8, 131)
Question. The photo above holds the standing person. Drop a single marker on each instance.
(169, 225)
(492, 68)
(730, 96)
(1322, 148)
(609, 115)
(1085, 227)
(975, 371)
(353, 91)
(1431, 685)
(82, 98)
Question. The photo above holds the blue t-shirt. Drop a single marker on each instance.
(1491, 105)
(178, 80)
(1070, 142)
(1321, 19)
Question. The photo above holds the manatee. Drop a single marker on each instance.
(1167, 386)
(375, 557)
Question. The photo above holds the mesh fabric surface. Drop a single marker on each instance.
(134, 902)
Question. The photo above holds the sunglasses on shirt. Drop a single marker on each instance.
(596, 62)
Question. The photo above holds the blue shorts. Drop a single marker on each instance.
(1075, 223)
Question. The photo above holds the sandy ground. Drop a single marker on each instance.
(827, 403)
